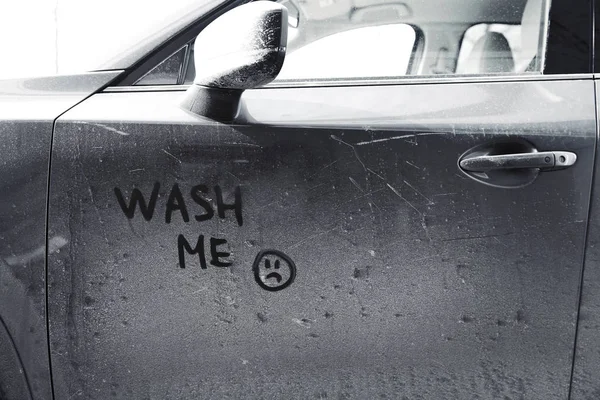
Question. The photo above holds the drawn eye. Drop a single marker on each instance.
(268, 264)
(277, 263)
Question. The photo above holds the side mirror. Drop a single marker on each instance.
(242, 49)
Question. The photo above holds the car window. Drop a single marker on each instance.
(374, 51)
(167, 72)
(365, 39)
(512, 34)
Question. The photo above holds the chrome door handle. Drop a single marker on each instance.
(543, 160)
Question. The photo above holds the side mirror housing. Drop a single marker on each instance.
(242, 49)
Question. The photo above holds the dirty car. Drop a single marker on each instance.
(309, 199)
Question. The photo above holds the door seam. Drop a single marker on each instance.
(47, 297)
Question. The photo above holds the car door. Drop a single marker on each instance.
(28, 108)
(338, 238)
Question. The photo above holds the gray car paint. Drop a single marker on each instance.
(586, 382)
(28, 108)
(412, 279)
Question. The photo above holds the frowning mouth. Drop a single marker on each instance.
(274, 275)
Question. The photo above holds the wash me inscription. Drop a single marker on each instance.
(210, 248)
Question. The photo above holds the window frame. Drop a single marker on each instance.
(562, 58)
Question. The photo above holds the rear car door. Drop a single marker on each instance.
(332, 241)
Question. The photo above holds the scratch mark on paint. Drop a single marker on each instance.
(269, 205)
(445, 194)
(108, 128)
(376, 174)
(337, 139)
(361, 197)
(233, 175)
(316, 186)
(412, 165)
(477, 237)
(397, 193)
(413, 135)
(419, 193)
(322, 169)
(166, 152)
(356, 184)
(498, 240)
(244, 144)
(311, 237)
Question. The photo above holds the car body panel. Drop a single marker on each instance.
(14, 383)
(28, 108)
(411, 279)
(586, 382)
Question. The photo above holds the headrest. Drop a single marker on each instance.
(530, 30)
(491, 54)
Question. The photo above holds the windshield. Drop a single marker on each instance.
(71, 36)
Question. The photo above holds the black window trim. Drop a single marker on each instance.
(570, 37)
(595, 7)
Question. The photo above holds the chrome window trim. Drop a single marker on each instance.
(374, 82)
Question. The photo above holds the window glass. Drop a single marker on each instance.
(337, 39)
(346, 39)
(374, 51)
(473, 35)
(165, 73)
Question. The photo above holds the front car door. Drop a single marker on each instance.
(28, 108)
(327, 243)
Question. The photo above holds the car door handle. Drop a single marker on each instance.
(543, 160)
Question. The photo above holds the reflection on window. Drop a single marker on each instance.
(165, 73)
(374, 51)
(500, 43)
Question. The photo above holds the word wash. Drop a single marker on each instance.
(202, 210)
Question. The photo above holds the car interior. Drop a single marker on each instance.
(341, 39)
